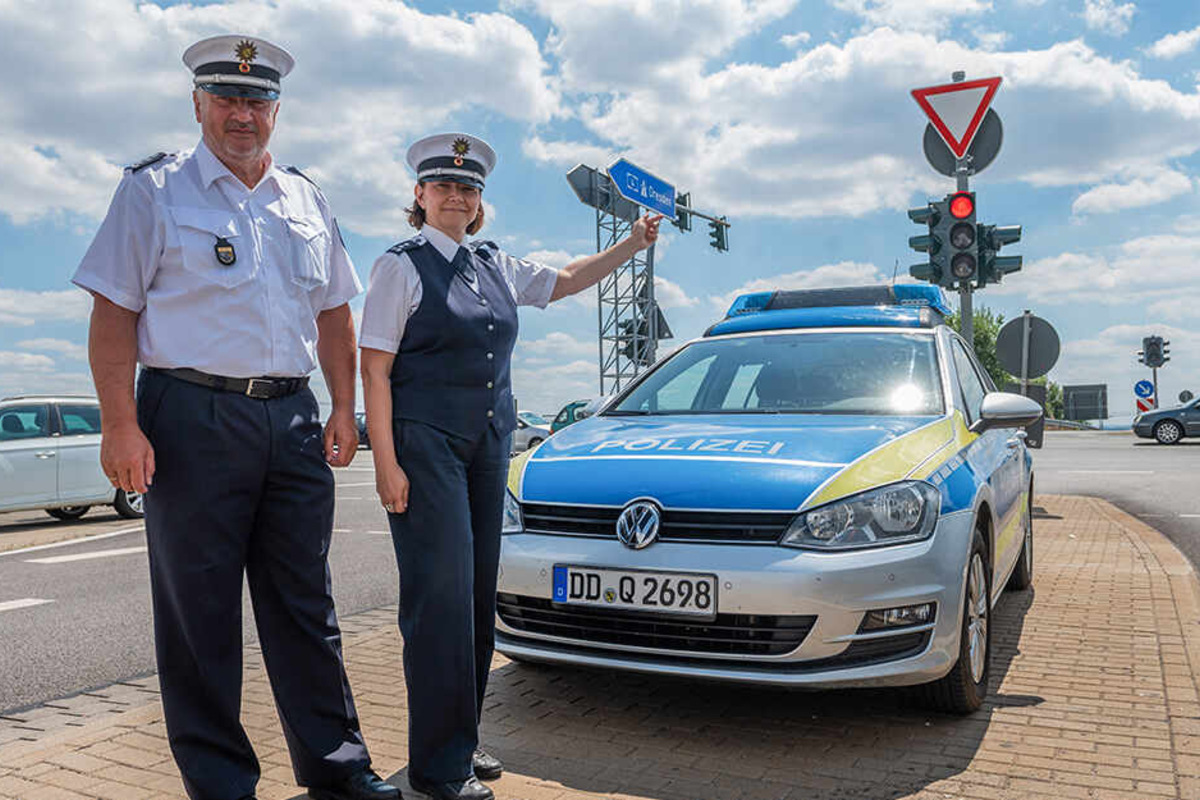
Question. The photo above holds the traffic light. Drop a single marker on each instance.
(1152, 351)
(1165, 350)
(931, 216)
(961, 236)
(683, 215)
(637, 348)
(718, 234)
(993, 267)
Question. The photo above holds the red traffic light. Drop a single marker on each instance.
(962, 205)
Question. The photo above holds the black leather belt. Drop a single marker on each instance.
(258, 388)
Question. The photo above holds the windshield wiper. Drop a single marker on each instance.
(625, 412)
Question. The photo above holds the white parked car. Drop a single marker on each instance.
(532, 430)
(50, 458)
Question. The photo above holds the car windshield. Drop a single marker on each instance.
(531, 418)
(802, 373)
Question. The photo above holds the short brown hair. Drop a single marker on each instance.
(416, 217)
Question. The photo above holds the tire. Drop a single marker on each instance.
(68, 512)
(1168, 432)
(1022, 575)
(534, 442)
(129, 506)
(963, 689)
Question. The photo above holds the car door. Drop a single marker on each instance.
(80, 478)
(1191, 419)
(997, 459)
(28, 456)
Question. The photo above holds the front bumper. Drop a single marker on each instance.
(757, 582)
(1144, 430)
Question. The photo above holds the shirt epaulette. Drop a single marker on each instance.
(481, 247)
(296, 171)
(145, 162)
(407, 244)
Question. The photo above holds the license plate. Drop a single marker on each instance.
(637, 590)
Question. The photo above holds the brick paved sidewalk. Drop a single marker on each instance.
(1094, 695)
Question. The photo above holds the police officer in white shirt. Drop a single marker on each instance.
(223, 274)
(438, 330)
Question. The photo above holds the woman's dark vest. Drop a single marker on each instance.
(452, 368)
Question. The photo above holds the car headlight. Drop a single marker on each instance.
(895, 514)
(512, 515)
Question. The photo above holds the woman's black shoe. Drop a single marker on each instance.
(487, 767)
(363, 785)
(470, 789)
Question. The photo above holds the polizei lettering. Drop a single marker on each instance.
(740, 446)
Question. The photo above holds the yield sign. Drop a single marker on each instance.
(957, 109)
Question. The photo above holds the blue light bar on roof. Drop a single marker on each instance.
(904, 294)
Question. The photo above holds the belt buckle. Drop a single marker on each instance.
(253, 391)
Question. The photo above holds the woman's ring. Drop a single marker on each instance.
(388, 507)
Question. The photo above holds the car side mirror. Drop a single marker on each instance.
(1006, 410)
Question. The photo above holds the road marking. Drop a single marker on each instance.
(351, 530)
(1103, 471)
(27, 602)
(91, 538)
(352, 485)
(120, 551)
(1190, 516)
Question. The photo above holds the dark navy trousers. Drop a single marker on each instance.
(448, 550)
(241, 487)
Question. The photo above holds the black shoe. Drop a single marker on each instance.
(362, 785)
(487, 767)
(470, 789)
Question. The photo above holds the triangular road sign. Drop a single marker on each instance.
(957, 109)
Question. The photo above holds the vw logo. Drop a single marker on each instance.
(637, 527)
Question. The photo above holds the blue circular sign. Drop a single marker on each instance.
(1144, 389)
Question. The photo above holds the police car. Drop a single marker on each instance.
(825, 490)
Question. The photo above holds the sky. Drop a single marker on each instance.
(791, 117)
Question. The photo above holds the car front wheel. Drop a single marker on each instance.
(69, 512)
(130, 505)
(1168, 432)
(964, 688)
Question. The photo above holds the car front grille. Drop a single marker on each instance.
(712, 527)
(727, 634)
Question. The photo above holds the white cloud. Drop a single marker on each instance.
(921, 15)
(795, 39)
(1174, 45)
(1108, 17)
(369, 76)
(23, 308)
(1159, 185)
(844, 273)
(671, 295)
(612, 43)
(548, 388)
(26, 361)
(559, 345)
(831, 131)
(69, 349)
(1142, 271)
(992, 40)
(553, 258)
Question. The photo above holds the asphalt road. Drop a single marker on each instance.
(93, 624)
(1156, 483)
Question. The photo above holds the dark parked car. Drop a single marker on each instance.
(1169, 425)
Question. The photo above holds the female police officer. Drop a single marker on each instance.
(438, 330)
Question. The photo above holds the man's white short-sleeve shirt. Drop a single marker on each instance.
(394, 290)
(155, 253)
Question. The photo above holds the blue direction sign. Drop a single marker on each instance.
(639, 186)
(1143, 389)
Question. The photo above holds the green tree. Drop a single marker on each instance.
(987, 328)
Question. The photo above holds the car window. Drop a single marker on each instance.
(973, 388)
(79, 420)
(24, 422)
(803, 373)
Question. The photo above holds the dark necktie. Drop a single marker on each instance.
(463, 264)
